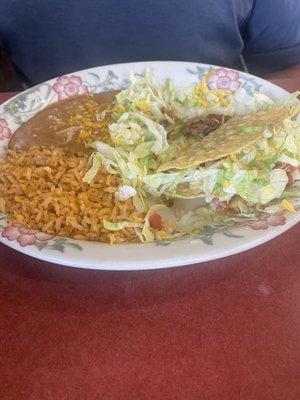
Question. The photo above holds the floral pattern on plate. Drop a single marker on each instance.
(69, 86)
(24, 236)
(266, 221)
(31, 237)
(222, 78)
(5, 131)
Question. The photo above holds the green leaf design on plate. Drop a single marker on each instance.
(74, 245)
(207, 240)
(250, 85)
(28, 103)
(96, 84)
(58, 244)
(199, 71)
(162, 243)
(228, 233)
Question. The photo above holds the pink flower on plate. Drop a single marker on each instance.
(271, 220)
(69, 86)
(5, 132)
(258, 225)
(222, 78)
(276, 219)
(24, 236)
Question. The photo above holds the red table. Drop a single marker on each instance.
(227, 329)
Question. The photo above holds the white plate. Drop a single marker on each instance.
(95, 255)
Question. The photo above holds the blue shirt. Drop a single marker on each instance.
(49, 38)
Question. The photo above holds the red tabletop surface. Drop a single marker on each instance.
(227, 329)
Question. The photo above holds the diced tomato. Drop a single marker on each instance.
(291, 179)
(155, 221)
(287, 167)
(224, 205)
(221, 204)
(291, 168)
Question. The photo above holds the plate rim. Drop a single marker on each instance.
(148, 265)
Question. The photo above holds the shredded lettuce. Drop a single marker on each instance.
(116, 226)
(92, 172)
(159, 183)
(145, 132)
(134, 128)
(147, 95)
(116, 161)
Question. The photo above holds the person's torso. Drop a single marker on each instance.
(46, 39)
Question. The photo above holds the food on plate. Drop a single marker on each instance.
(233, 136)
(44, 190)
(153, 162)
(66, 124)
